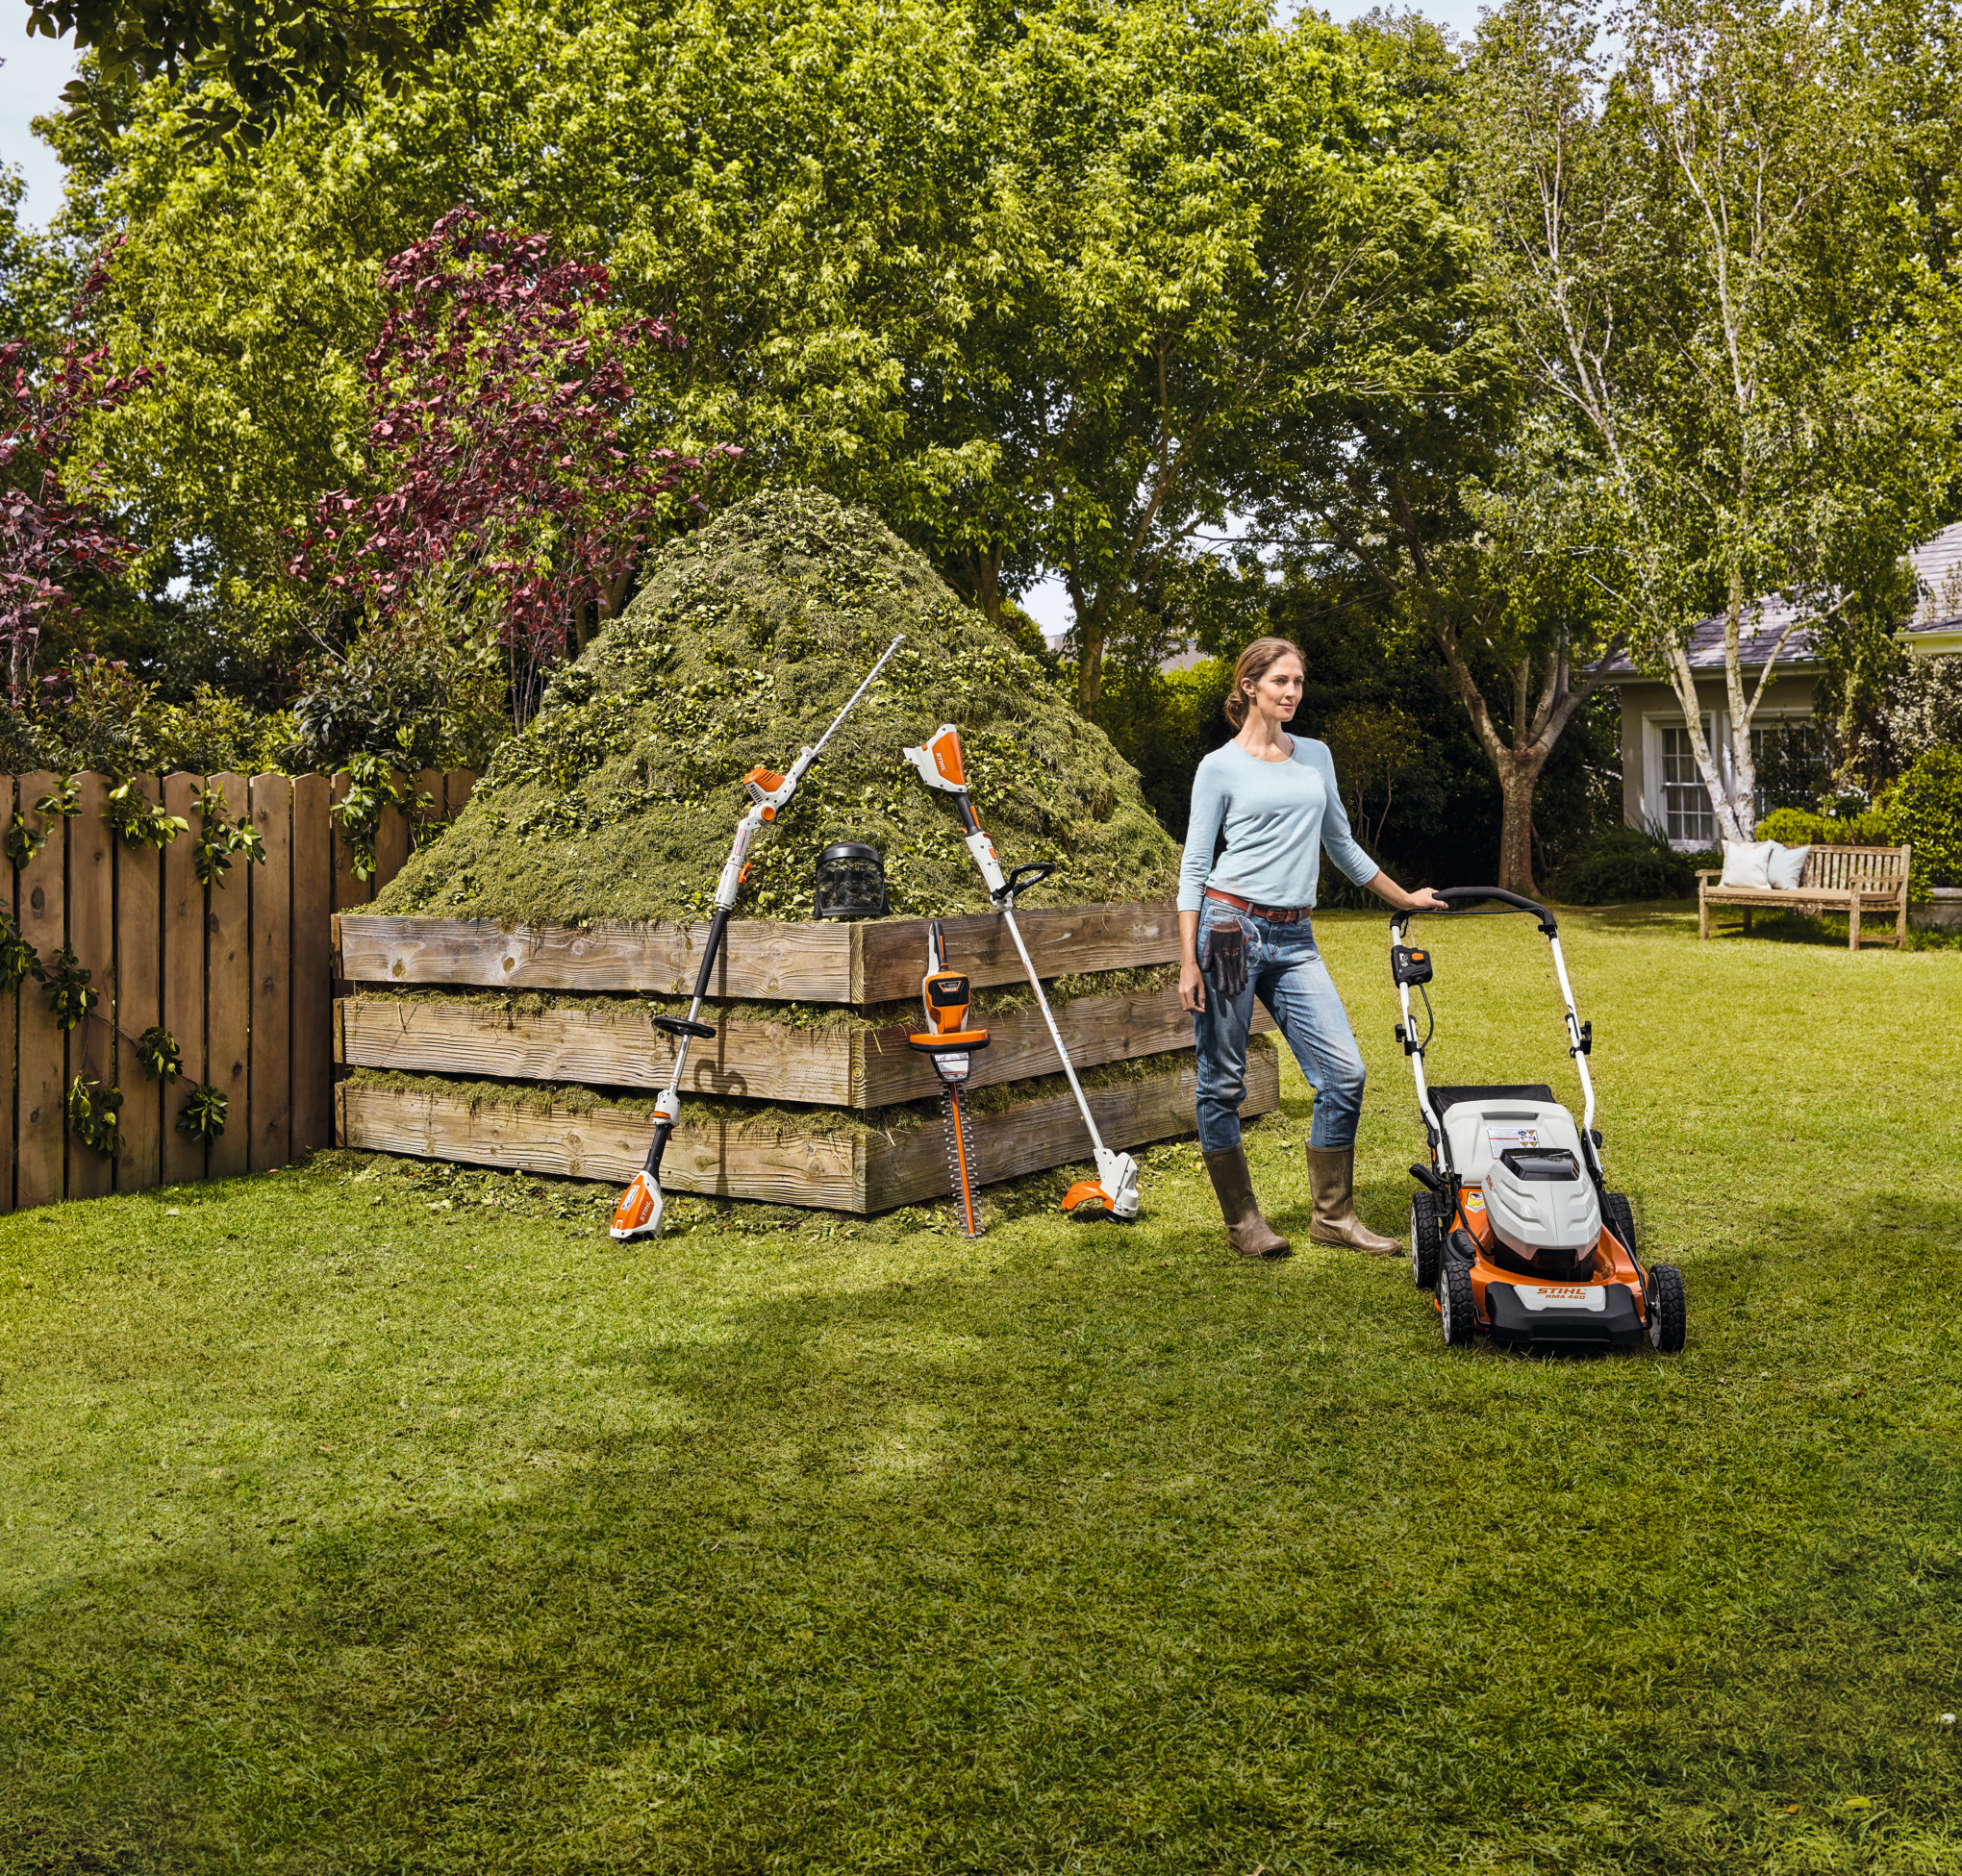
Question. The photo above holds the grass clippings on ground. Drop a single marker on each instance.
(370, 1517)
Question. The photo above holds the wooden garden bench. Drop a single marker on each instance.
(1835, 879)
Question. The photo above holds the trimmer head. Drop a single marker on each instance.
(1115, 1188)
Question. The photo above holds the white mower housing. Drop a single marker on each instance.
(1527, 1161)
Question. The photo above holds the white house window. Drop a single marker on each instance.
(1789, 758)
(1687, 816)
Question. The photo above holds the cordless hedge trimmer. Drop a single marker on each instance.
(638, 1215)
(941, 766)
(943, 995)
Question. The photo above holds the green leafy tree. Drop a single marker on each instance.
(1661, 239)
(244, 63)
(1057, 291)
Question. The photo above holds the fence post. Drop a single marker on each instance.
(228, 993)
(313, 965)
(138, 1002)
(44, 1047)
(183, 978)
(9, 1019)
(92, 931)
(273, 975)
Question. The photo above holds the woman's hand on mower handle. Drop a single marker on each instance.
(1424, 899)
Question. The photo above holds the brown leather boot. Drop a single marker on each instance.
(1332, 1179)
(1246, 1230)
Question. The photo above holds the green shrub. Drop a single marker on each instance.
(1924, 809)
(1796, 827)
(1627, 863)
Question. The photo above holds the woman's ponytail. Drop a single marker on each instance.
(1251, 666)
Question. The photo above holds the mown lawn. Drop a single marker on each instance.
(358, 1519)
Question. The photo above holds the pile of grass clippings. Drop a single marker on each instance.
(619, 799)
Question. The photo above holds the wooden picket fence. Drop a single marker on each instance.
(239, 972)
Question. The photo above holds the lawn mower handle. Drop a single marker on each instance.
(1470, 896)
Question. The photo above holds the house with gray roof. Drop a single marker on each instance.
(1660, 782)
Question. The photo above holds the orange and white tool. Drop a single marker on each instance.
(638, 1215)
(941, 765)
(946, 995)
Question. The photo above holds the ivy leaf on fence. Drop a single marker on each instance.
(219, 837)
(69, 996)
(158, 1054)
(138, 821)
(203, 1112)
(65, 801)
(17, 957)
(93, 1110)
(24, 841)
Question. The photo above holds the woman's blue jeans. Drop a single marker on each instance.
(1285, 970)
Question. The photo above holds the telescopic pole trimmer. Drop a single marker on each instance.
(944, 996)
(638, 1215)
(941, 766)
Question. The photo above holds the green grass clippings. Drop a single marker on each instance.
(622, 797)
(381, 1516)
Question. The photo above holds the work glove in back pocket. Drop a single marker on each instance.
(1222, 959)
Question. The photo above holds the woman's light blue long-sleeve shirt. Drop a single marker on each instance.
(1277, 817)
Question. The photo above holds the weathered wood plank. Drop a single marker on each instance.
(270, 1141)
(138, 1003)
(1062, 941)
(838, 1171)
(228, 993)
(605, 1046)
(907, 1168)
(92, 931)
(805, 963)
(458, 785)
(312, 1014)
(183, 978)
(42, 1123)
(811, 962)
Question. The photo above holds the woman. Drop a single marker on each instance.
(1244, 931)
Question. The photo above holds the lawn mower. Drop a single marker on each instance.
(1515, 1230)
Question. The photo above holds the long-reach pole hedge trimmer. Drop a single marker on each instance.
(941, 765)
(638, 1215)
(944, 996)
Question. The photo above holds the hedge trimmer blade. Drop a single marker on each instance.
(961, 1161)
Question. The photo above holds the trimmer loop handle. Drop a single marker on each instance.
(1034, 873)
(1469, 898)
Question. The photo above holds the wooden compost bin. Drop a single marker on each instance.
(856, 1069)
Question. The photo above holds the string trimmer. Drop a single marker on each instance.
(638, 1215)
(941, 766)
(944, 996)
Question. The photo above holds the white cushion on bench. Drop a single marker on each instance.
(1786, 866)
(1744, 864)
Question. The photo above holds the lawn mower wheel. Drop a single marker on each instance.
(1427, 1241)
(1456, 1310)
(1668, 1309)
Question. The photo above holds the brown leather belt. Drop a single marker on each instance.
(1274, 914)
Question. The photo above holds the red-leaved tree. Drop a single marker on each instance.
(53, 531)
(504, 480)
